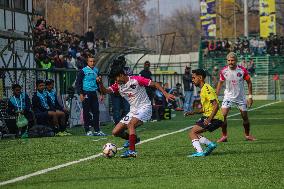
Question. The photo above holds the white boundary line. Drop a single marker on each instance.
(43, 171)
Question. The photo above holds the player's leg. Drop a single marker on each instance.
(87, 115)
(194, 134)
(246, 125)
(119, 131)
(142, 115)
(226, 105)
(132, 125)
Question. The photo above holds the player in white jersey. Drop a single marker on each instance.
(132, 88)
(234, 93)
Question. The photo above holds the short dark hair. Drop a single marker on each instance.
(49, 81)
(39, 81)
(200, 72)
(116, 72)
(14, 86)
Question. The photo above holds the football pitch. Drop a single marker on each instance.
(162, 160)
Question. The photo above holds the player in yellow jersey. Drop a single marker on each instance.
(212, 117)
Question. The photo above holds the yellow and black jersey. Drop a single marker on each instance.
(208, 94)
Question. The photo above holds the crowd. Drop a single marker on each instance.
(62, 49)
(273, 45)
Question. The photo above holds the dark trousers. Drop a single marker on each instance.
(91, 111)
(120, 107)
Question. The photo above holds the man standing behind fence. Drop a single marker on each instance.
(188, 90)
(87, 88)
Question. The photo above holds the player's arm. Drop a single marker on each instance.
(159, 87)
(102, 87)
(250, 100)
(248, 80)
(219, 86)
(213, 113)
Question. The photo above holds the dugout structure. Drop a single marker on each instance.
(15, 42)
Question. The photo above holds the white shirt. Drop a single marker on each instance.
(134, 92)
(235, 90)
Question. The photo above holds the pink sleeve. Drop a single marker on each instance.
(142, 80)
(114, 88)
(246, 74)
(222, 77)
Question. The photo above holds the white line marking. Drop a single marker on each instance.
(99, 139)
(275, 118)
(17, 179)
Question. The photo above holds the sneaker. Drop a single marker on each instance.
(100, 133)
(197, 154)
(250, 138)
(126, 143)
(66, 133)
(89, 133)
(25, 135)
(223, 139)
(129, 153)
(210, 148)
(60, 134)
(188, 113)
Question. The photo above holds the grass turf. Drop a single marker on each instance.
(161, 163)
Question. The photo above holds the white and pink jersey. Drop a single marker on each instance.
(235, 90)
(134, 92)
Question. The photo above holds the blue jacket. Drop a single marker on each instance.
(54, 105)
(22, 103)
(41, 103)
(86, 80)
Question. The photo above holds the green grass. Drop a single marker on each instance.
(161, 163)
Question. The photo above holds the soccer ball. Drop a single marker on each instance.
(109, 150)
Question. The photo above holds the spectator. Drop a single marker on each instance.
(90, 36)
(254, 45)
(244, 63)
(177, 92)
(19, 103)
(261, 46)
(214, 76)
(160, 104)
(251, 67)
(87, 88)
(188, 90)
(55, 106)
(42, 108)
(148, 74)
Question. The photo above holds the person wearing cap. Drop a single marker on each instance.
(87, 87)
(188, 90)
(211, 119)
(234, 76)
(62, 112)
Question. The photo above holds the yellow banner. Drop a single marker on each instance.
(267, 17)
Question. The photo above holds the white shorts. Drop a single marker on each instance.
(227, 103)
(143, 114)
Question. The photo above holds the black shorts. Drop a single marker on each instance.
(215, 124)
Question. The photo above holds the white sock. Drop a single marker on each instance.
(204, 140)
(196, 145)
